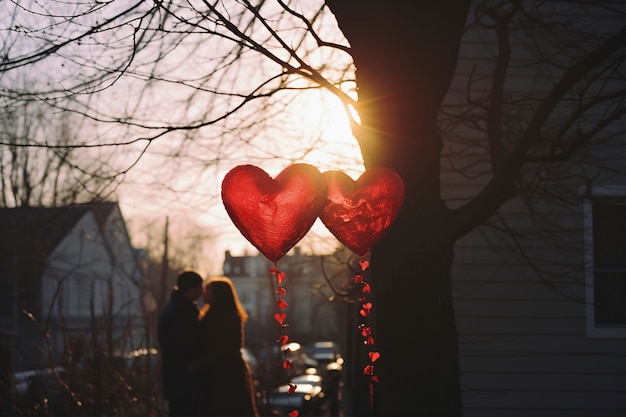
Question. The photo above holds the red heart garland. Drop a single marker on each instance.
(274, 214)
(280, 317)
(365, 309)
(359, 213)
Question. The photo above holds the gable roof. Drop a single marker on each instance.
(36, 231)
(28, 235)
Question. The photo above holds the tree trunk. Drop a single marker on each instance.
(415, 324)
(405, 54)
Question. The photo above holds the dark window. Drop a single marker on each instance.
(609, 258)
(7, 297)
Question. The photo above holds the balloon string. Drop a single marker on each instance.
(280, 317)
(365, 330)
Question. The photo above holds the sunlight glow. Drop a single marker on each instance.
(332, 145)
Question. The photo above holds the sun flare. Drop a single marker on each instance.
(323, 118)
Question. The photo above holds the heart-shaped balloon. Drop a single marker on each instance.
(274, 214)
(358, 213)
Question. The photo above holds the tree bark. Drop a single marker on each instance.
(405, 54)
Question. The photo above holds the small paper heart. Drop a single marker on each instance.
(287, 364)
(358, 279)
(280, 317)
(364, 312)
(292, 388)
(368, 370)
(374, 378)
(365, 330)
(364, 265)
(369, 341)
(280, 277)
(273, 270)
(374, 356)
(366, 288)
(281, 304)
(294, 413)
(281, 291)
(283, 340)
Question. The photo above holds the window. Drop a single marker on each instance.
(8, 307)
(7, 296)
(77, 295)
(605, 262)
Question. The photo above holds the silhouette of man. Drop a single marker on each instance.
(179, 332)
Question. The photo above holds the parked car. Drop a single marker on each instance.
(307, 398)
(325, 351)
(41, 390)
(311, 379)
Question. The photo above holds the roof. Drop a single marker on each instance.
(38, 230)
(28, 235)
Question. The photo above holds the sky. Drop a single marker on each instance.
(182, 79)
(195, 204)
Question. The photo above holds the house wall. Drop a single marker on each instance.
(523, 347)
(519, 280)
(91, 270)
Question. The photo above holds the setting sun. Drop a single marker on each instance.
(331, 143)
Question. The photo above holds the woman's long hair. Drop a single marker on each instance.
(221, 296)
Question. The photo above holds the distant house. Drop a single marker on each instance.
(69, 280)
(314, 311)
(540, 289)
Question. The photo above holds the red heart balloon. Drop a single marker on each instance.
(358, 213)
(274, 214)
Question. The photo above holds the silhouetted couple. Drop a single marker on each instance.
(204, 373)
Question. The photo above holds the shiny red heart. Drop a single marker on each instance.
(280, 317)
(365, 309)
(358, 213)
(274, 214)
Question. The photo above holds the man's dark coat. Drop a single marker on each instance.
(179, 333)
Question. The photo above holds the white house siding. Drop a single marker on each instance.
(81, 255)
(523, 350)
(127, 280)
(523, 345)
(82, 271)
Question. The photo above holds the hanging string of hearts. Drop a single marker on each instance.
(365, 330)
(358, 214)
(280, 317)
(275, 214)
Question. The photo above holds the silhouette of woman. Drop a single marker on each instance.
(228, 377)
